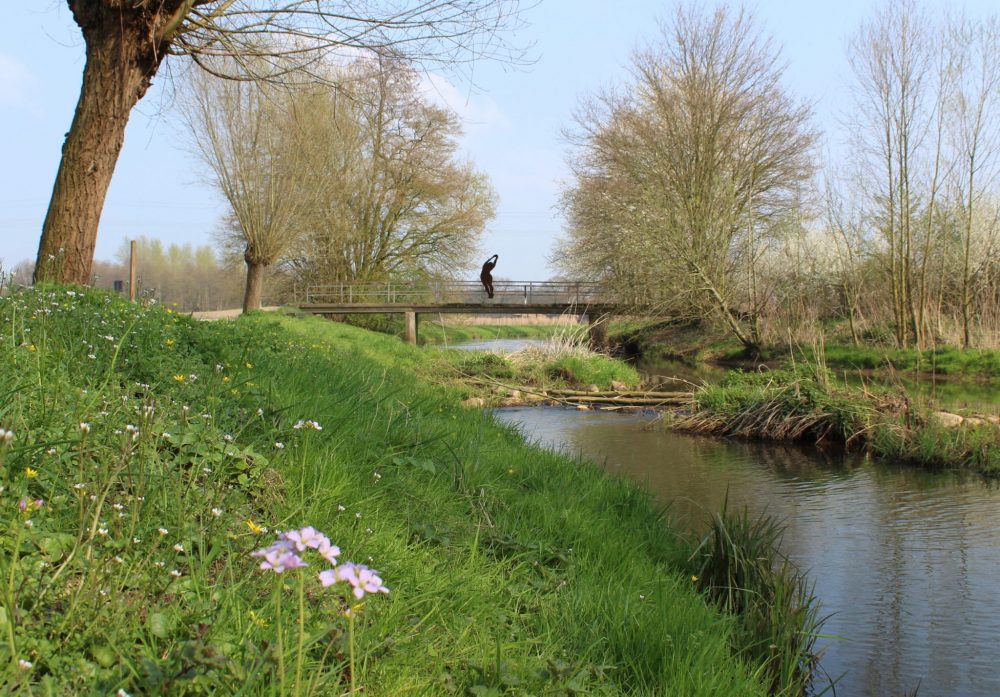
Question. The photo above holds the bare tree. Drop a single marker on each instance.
(128, 40)
(246, 134)
(977, 137)
(712, 152)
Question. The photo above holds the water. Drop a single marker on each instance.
(907, 561)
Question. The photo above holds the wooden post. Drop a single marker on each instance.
(411, 327)
(598, 330)
(131, 271)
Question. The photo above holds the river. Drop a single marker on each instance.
(906, 562)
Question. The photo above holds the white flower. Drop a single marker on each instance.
(103, 532)
(162, 531)
(341, 508)
(216, 512)
(175, 573)
(178, 547)
(84, 427)
(24, 665)
(279, 445)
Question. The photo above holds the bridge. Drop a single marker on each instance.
(510, 297)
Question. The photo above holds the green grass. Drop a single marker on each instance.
(433, 333)
(512, 571)
(808, 405)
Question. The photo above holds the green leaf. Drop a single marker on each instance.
(159, 625)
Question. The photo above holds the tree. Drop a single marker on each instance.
(708, 155)
(128, 40)
(387, 195)
(247, 135)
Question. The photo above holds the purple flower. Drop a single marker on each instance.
(361, 578)
(328, 551)
(279, 557)
(307, 538)
(328, 577)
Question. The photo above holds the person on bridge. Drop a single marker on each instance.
(486, 277)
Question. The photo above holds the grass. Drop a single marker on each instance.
(152, 454)
(806, 404)
(435, 333)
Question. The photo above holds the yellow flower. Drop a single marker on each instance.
(31, 347)
(694, 579)
(257, 619)
(249, 364)
(180, 378)
(30, 473)
(225, 378)
(169, 311)
(170, 342)
(254, 528)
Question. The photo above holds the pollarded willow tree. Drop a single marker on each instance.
(249, 136)
(127, 41)
(698, 162)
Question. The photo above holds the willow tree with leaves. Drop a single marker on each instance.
(388, 194)
(707, 153)
(127, 42)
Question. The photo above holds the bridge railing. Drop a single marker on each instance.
(455, 292)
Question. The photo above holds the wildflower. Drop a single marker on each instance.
(103, 532)
(260, 412)
(257, 619)
(361, 579)
(180, 378)
(29, 524)
(358, 515)
(175, 573)
(279, 445)
(166, 435)
(341, 508)
(79, 486)
(279, 557)
(694, 579)
(307, 424)
(170, 342)
(122, 693)
(306, 538)
(256, 529)
(84, 427)
(162, 531)
(228, 438)
(249, 365)
(136, 540)
(159, 564)
(30, 473)
(377, 476)
(24, 665)
(119, 559)
(216, 512)
(178, 547)
(51, 451)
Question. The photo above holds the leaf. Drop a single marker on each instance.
(159, 625)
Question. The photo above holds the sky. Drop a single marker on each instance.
(514, 119)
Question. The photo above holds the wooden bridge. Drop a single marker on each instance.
(510, 297)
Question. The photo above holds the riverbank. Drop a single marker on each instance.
(808, 405)
(694, 343)
(146, 456)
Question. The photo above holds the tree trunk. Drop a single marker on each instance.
(255, 282)
(122, 58)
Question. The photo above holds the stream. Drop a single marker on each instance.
(905, 562)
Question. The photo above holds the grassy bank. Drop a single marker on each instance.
(699, 343)
(809, 405)
(434, 332)
(145, 457)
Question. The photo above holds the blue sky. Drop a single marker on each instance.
(513, 119)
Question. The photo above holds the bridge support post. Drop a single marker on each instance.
(411, 327)
(598, 330)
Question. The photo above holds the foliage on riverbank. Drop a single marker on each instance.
(699, 343)
(146, 456)
(739, 567)
(807, 405)
(437, 333)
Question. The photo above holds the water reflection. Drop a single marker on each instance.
(906, 560)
